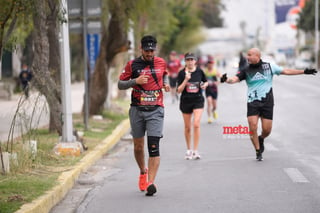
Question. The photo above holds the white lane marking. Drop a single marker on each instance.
(295, 175)
(271, 147)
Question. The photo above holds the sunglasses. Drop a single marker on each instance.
(190, 59)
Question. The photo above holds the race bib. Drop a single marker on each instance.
(192, 87)
(149, 98)
(210, 82)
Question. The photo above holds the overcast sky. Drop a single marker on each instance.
(256, 13)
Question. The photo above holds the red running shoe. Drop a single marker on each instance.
(143, 180)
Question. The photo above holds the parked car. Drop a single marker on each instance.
(302, 63)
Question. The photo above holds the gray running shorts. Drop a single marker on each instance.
(146, 121)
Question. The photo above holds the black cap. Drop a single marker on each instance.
(148, 42)
(190, 56)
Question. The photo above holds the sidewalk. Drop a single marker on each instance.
(9, 107)
(67, 179)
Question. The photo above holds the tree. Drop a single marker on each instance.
(54, 59)
(114, 40)
(209, 12)
(16, 26)
(181, 18)
(186, 32)
(150, 20)
(170, 25)
(116, 23)
(306, 20)
(13, 13)
(46, 62)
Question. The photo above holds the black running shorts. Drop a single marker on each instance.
(173, 82)
(188, 105)
(213, 94)
(263, 109)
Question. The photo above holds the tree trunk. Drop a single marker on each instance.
(0, 67)
(99, 82)
(1, 50)
(114, 40)
(43, 80)
(54, 54)
(29, 49)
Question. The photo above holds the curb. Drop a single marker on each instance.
(67, 179)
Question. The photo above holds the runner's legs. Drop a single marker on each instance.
(196, 127)
(253, 128)
(187, 128)
(138, 144)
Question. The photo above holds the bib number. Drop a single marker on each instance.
(149, 99)
(192, 87)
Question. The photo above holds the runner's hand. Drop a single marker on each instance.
(142, 79)
(166, 87)
(223, 78)
(188, 75)
(204, 85)
(308, 71)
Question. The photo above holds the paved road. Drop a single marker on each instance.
(227, 178)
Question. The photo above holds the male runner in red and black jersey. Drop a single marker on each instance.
(146, 75)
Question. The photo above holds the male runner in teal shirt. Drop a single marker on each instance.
(258, 76)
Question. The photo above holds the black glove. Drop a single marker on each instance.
(309, 71)
(223, 78)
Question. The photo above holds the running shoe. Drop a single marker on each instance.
(188, 155)
(259, 155)
(215, 115)
(151, 189)
(261, 143)
(196, 155)
(143, 180)
(209, 120)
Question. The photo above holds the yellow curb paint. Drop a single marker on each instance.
(67, 179)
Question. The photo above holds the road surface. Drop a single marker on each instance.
(228, 178)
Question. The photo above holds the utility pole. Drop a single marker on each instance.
(85, 64)
(68, 145)
(67, 130)
(84, 18)
(316, 47)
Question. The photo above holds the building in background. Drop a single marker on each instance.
(267, 24)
